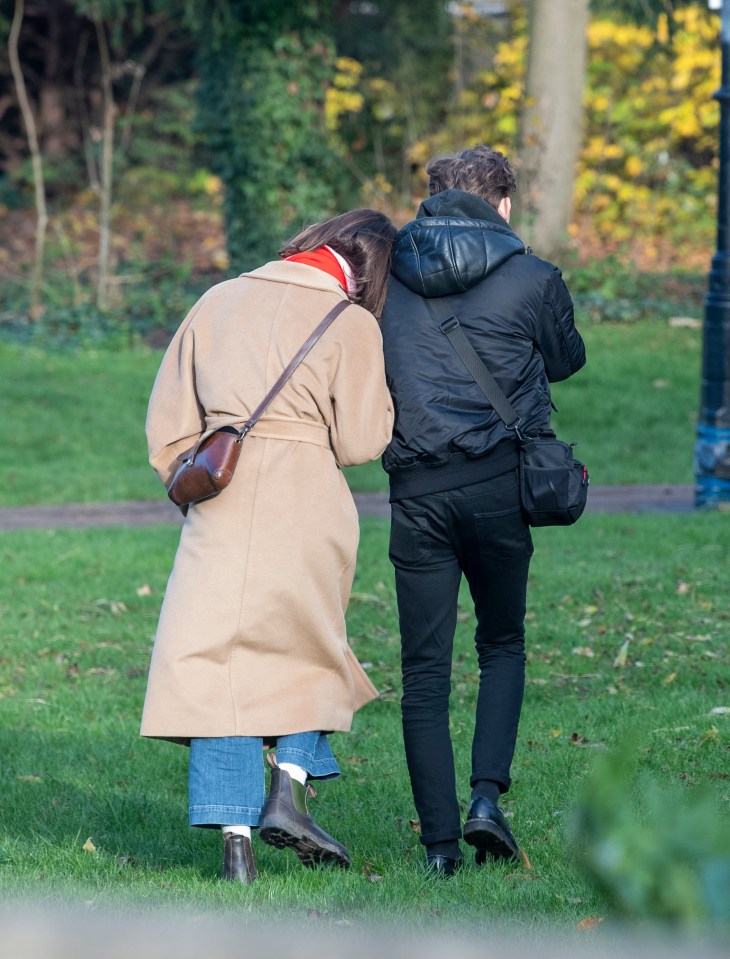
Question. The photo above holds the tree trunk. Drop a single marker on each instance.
(550, 132)
(37, 161)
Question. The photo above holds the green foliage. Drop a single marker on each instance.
(655, 851)
(262, 99)
(163, 131)
(153, 305)
(607, 291)
(401, 53)
(298, 102)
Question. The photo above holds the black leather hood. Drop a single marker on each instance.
(456, 240)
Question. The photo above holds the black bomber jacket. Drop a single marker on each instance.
(518, 316)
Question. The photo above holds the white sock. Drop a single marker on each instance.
(237, 830)
(296, 772)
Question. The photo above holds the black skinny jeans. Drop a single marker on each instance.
(479, 531)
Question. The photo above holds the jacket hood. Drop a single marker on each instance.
(456, 240)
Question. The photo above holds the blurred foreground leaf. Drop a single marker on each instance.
(655, 851)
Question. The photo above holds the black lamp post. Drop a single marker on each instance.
(712, 447)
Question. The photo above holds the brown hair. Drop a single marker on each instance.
(365, 239)
(479, 169)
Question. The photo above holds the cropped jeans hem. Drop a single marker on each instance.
(215, 816)
(227, 780)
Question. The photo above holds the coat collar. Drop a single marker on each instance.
(297, 274)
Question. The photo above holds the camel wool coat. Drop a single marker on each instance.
(251, 638)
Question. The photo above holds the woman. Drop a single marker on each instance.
(251, 647)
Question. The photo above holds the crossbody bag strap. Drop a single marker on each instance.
(296, 360)
(451, 328)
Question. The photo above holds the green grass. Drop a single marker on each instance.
(74, 428)
(627, 633)
(633, 407)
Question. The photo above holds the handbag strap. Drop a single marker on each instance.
(296, 360)
(451, 328)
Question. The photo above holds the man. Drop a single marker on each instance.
(452, 465)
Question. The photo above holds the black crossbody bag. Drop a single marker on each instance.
(553, 484)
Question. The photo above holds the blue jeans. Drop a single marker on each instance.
(226, 777)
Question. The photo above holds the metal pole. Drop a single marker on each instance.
(712, 447)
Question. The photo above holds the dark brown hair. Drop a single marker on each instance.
(479, 170)
(365, 239)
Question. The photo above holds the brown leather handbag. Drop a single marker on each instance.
(208, 467)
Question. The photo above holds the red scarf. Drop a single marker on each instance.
(322, 259)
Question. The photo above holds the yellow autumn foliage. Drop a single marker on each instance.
(648, 165)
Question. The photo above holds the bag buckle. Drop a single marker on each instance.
(516, 427)
(448, 325)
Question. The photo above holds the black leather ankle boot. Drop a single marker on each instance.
(239, 864)
(286, 823)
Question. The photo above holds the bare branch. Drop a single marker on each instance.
(106, 164)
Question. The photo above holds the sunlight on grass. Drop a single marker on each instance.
(79, 609)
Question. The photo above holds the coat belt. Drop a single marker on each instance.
(299, 431)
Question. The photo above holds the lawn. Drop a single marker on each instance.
(627, 632)
(74, 427)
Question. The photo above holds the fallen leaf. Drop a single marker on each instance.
(526, 860)
(583, 651)
(144, 590)
(369, 874)
(669, 679)
(556, 732)
(115, 606)
(720, 711)
(589, 923)
(682, 588)
(365, 598)
(712, 733)
(415, 825)
(622, 655)
(29, 779)
(89, 846)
